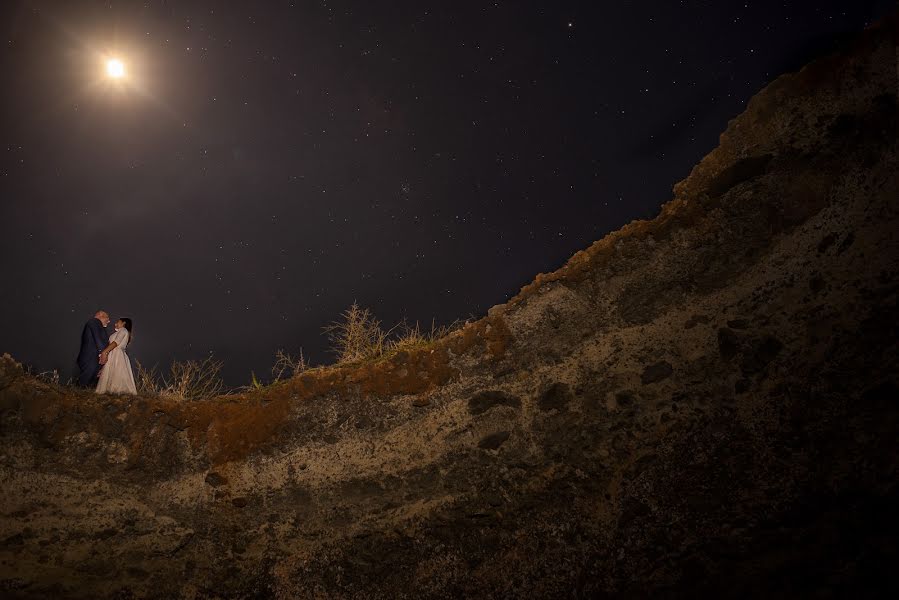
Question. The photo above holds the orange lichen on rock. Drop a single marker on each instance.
(233, 429)
(408, 372)
(585, 262)
(498, 335)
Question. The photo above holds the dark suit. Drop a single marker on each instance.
(92, 344)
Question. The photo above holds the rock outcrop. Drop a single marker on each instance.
(704, 403)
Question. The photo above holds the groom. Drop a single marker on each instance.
(92, 344)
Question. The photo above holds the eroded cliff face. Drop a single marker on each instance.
(701, 403)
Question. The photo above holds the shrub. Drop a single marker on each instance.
(287, 365)
(358, 336)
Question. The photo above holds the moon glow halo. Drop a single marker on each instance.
(115, 68)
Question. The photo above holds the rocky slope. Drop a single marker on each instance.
(704, 403)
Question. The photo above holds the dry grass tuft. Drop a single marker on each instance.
(358, 336)
(187, 380)
(410, 337)
(148, 382)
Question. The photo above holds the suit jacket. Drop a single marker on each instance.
(92, 345)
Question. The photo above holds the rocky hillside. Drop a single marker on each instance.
(705, 403)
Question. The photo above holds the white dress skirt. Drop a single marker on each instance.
(116, 376)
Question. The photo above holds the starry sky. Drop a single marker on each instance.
(262, 165)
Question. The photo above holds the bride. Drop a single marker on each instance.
(116, 376)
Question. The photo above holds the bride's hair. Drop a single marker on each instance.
(128, 326)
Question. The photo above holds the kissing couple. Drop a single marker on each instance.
(105, 366)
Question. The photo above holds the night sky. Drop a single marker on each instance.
(264, 164)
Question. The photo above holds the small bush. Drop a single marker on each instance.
(358, 336)
(287, 365)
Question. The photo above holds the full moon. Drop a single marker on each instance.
(115, 68)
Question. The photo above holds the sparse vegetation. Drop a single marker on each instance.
(148, 382)
(186, 380)
(414, 337)
(358, 336)
(255, 384)
(51, 377)
(287, 366)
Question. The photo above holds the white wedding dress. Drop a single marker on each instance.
(116, 376)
